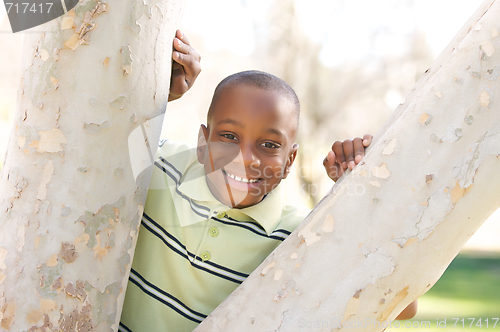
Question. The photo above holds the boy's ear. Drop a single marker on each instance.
(202, 143)
(290, 160)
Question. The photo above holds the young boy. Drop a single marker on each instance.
(220, 211)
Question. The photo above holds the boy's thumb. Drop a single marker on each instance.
(330, 167)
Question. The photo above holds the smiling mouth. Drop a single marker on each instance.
(242, 180)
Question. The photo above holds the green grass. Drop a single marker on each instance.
(470, 288)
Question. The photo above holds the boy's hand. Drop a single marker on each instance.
(185, 67)
(346, 154)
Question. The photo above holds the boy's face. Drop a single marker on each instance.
(250, 144)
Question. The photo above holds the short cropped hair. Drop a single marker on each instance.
(261, 80)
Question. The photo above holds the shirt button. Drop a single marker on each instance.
(214, 231)
(205, 256)
(221, 214)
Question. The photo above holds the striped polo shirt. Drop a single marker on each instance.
(192, 250)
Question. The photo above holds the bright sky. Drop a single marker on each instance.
(343, 27)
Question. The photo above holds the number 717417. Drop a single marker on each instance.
(479, 322)
(34, 8)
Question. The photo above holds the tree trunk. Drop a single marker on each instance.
(76, 173)
(388, 230)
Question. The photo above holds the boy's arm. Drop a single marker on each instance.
(348, 154)
(185, 67)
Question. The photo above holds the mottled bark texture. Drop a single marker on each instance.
(73, 186)
(388, 230)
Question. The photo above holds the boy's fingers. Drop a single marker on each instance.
(339, 154)
(182, 37)
(187, 56)
(346, 154)
(182, 47)
(359, 149)
(330, 159)
(185, 67)
(333, 170)
(178, 33)
(348, 147)
(367, 140)
(191, 66)
(195, 55)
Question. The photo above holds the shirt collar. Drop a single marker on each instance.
(267, 212)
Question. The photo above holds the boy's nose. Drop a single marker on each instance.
(249, 157)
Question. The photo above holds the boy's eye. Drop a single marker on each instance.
(270, 145)
(229, 136)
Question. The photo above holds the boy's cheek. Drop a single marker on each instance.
(223, 153)
(272, 172)
(281, 172)
(256, 171)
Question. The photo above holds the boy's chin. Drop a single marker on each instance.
(236, 199)
(247, 201)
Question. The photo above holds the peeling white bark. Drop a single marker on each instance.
(73, 184)
(388, 230)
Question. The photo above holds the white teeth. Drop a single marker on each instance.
(237, 178)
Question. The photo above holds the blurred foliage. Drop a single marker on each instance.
(468, 289)
(340, 102)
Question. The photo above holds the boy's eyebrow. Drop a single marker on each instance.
(231, 121)
(275, 131)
